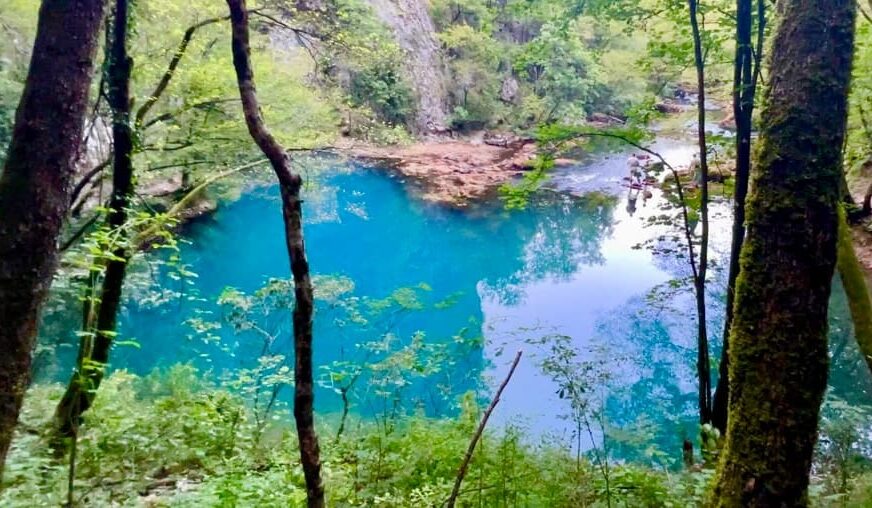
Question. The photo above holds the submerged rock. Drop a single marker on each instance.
(668, 107)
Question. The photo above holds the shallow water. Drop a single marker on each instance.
(580, 262)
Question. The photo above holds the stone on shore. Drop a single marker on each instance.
(457, 172)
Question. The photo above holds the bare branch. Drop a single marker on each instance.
(468, 457)
(171, 69)
(87, 177)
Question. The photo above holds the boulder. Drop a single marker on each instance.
(510, 89)
(668, 108)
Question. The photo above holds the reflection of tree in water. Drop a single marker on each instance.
(553, 238)
(653, 400)
(657, 402)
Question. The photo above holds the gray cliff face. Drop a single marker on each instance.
(415, 33)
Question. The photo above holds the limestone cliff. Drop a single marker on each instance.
(415, 33)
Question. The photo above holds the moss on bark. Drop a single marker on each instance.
(778, 347)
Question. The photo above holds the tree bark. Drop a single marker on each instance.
(702, 361)
(35, 184)
(100, 313)
(778, 347)
(290, 184)
(744, 93)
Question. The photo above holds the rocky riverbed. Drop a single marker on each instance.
(456, 172)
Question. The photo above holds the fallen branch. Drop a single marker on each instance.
(465, 465)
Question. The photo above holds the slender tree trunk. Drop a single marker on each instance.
(856, 289)
(778, 349)
(100, 312)
(744, 92)
(35, 184)
(703, 366)
(290, 184)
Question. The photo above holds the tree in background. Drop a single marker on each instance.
(34, 186)
(778, 346)
(101, 310)
(703, 368)
(746, 73)
(290, 184)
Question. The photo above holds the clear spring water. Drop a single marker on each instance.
(581, 261)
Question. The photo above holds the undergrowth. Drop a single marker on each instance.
(174, 439)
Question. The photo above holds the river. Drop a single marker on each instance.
(580, 279)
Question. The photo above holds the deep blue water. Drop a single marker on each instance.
(579, 262)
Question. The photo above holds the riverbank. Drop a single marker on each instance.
(455, 172)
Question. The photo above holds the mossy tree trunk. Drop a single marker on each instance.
(35, 184)
(290, 184)
(778, 345)
(99, 316)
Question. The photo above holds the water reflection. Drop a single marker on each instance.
(570, 264)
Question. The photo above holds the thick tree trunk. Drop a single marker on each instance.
(290, 184)
(702, 361)
(744, 92)
(35, 184)
(100, 314)
(778, 346)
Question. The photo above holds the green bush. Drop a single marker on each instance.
(381, 87)
(175, 439)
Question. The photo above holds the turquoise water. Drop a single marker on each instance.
(580, 262)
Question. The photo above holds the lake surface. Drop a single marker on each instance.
(581, 272)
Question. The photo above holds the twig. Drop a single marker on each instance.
(205, 105)
(78, 234)
(465, 465)
(864, 13)
(164, 82)
(80, 185)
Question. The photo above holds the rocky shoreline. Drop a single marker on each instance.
(455, 172)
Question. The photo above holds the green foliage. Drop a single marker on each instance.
(174, 438)
(519, 63)
(195, 124)
(859, 144)
(9, 92)
(363, 65)
(844, 449)
(474, 59)
(17, 28)
(560, 70)
(381, 87)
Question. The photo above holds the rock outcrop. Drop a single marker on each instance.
(415, 33)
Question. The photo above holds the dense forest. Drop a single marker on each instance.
(504, 253)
